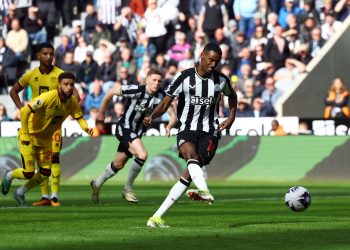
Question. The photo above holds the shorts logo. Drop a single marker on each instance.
(199, 100)
(133, 135)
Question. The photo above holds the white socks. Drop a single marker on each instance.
(109, 172)
(196, 174)
(175, 193)
(134, 171)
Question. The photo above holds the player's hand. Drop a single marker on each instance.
(226, 124)
(89, 131)
(147, 121)
(25, 139)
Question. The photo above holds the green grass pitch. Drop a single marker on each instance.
(244, 216)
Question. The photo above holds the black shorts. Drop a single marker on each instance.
(125, 136)
(206, 144)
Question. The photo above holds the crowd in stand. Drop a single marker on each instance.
(266, 44)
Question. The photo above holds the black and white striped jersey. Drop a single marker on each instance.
(138, 105)
(198, 99)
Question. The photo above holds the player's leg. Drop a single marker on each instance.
(137, 148)
(177, 190)
(174, 194)
(25, 172)
(111, 169)
(207, 146)
(43, 158)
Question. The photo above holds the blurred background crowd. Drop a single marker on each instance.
(266, 44)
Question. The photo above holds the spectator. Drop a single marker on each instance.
(243, 108)
(264, 10)
(34, 26)
(244, 13)
(3, 113)
(144, 47)
(271, 93)
(309, 10)
(127, 26)
(126, 60)
(115, 113)
(316, 42)
(8, 67)
(94, 99)
(69, 64)
(87, 71)
(188, 61)
(337, 101)
(277, 49)
(17, 40)
(64, 46)
(226, 58)
(81, 50)
(138, 7)
(272, 22)
(286, 76)
(289, 8)
(327, 7)
(199, 44)
(124, 78)
(104, 47)
(177, 51)
(90, 19)
(258, 38)
(48, 14)
(330, 26)
(306, 28)
(78, 32)
(261, 108)
(219, 37)
(213, 15)
(277, 129)
(100, 32)
(107, 72)
(107, 12)
(342, 8)
(238, 43)
(154, 22)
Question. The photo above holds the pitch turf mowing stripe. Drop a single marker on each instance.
(109, 145)
(287, 157)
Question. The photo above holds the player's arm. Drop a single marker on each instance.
(159, 110)
(172, 121)
(106, 99)
(232, 104)
(78, 116)
(24, 135)
(17, 87)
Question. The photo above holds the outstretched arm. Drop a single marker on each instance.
(107, 98)
(159, 110)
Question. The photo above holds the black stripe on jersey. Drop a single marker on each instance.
(203, 108)
(31, 109)
(137, 103)
(178, 81)
(214, 104)
(140, 121)
(192, 91)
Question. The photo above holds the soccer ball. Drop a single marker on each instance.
(298, 199)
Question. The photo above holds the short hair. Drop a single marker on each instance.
(154, 72)
(213, 47)
(45, 45)
(66, 75)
